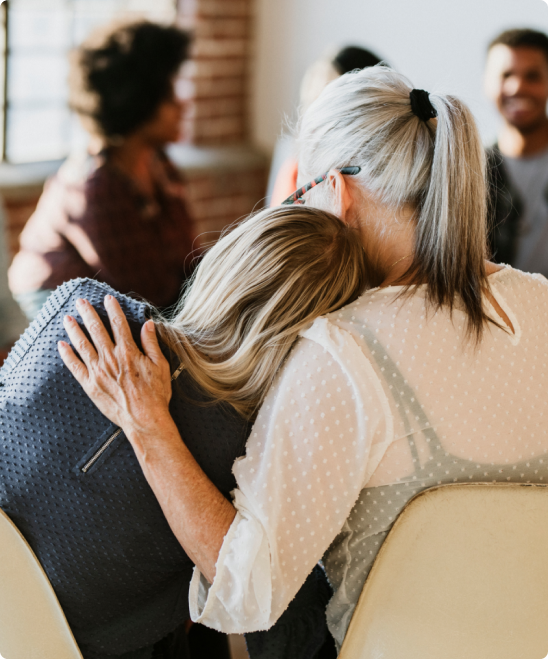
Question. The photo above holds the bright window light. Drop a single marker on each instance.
(37, 124)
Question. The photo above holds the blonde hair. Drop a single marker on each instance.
(252, 294)
(364, 118)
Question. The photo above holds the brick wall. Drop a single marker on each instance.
(18, 211)
(215, 83)
(218, 199)
(216, 79)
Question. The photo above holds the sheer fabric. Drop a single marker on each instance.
(377, 401)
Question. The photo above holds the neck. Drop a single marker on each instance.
(135, 157)
(388, 237)
(517, 143)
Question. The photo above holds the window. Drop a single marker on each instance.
(36, 38)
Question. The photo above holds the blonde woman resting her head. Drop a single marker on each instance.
(264, 282)
(435, 375)
(254, 291)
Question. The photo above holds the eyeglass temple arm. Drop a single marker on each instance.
(295, 197)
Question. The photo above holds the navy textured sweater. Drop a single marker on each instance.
(70, 481)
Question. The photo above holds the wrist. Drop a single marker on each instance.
(145, 433)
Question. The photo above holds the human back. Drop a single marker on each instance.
(443, 334)
(407, 169)
(71, 483)
(70, 479)
(458, 412)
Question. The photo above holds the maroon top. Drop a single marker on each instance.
(92, 221)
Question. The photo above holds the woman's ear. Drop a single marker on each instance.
(342, 198)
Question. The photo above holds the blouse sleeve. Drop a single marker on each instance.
(320, 433)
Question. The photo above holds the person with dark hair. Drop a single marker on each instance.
(517, 82)
(283, 171)
(119, 214)
(351, 58)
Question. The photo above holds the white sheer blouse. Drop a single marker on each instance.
(375, 403)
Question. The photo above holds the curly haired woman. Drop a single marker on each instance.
(119, 214)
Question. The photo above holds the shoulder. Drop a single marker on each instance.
(85, 174)
(377, 307)
(329, 336)
(512, 277)
(341, 351)
(526, 288)
(79, 168)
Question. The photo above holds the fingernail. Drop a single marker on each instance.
(69, 319)
(109, 297)
(150, 326)
(79, 302)
(61, 344)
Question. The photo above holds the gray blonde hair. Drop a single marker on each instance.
(364, 118)
(254, 291)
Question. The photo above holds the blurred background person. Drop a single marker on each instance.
(12, 321)
(283, 173)
(117, 214)
(517, 82)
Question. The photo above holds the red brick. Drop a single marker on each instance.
(215, 85)
(200, 189)
(17, 214)
(233, 207)
(250, 183)
(220, 48)
(215, 28)
(220, 140)
(219, 87)
(222, 8)
(228, 106)
(217, 68)
(218, 126)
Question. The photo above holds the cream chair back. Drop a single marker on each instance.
(32, 623)
(462, 574)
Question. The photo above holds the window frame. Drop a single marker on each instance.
(4, 14)
(4, 81)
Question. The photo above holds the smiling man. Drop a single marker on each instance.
(516, 81)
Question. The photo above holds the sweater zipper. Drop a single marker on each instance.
(101, 450)
(116, 433)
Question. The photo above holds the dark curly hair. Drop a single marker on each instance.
(522, 38)
(120, 75)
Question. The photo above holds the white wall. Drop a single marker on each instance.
(439, 44)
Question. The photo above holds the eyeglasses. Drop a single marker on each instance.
(295, 198)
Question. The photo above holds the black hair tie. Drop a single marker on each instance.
(421, 105)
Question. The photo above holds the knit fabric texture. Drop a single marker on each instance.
(70, 481)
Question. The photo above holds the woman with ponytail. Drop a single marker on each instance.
(435, 375)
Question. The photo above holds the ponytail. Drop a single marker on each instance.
(436, 165)
(450, 243)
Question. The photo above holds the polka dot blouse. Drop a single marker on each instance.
(376, 402)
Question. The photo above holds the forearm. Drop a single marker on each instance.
(198, 514)
(133, 390)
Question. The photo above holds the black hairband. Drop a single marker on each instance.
(421, 105)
